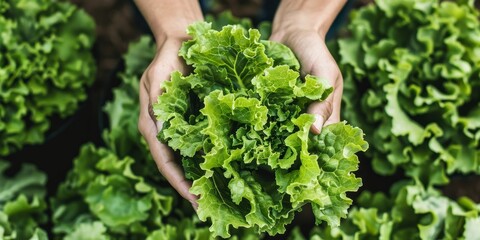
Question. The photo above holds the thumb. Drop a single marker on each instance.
(322, 112)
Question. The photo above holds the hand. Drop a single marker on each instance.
(315, 59)
(165, 61)
(302, 26)
(168, 20)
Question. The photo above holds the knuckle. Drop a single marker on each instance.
(328, 108)
(141, 126)
(151, 72)
(144, 80)
(325, 108)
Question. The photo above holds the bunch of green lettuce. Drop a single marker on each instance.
(240, 125)
(22, 204)
(45, 66)
(412, 78)
(117, 192)
(412, 212)
(103, 192)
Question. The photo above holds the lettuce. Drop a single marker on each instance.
(240, 125)
(103, 187)
(116, 191)
(412, 212)
(22, 203)
(45, 66)
(412, 77)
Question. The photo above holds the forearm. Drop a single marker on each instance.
(315, 15)
(169, 18)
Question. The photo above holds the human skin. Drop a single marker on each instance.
(299, 24)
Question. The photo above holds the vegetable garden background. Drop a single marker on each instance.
(73, 165)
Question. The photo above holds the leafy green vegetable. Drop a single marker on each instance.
(89, 231)
(106, 185)
(22, 204)
(412, 212)
(45, 66)
(117, 192)
(411, 82)
(239, 123)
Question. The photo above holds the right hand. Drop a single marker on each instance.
(166, 61)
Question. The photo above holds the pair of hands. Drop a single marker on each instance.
(307, 44)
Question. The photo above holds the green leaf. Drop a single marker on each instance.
(88, 231)
(237, 52)
(47, 64)
(409, 81)
(22, 204)
(239, 123)
(471, 228)
(105, 187)
(214, 202)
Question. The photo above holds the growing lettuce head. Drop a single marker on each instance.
(239, 122)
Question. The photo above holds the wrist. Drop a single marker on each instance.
(163, 37)
(306, 15)
(169, 19)
(176, 30)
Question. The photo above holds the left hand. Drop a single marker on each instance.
(315, 59)
(302, 26)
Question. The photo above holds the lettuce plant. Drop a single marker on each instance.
(22, 203)
(412, 78)
(239, 124)
(102, 187)
(412, 211)
(45, 66)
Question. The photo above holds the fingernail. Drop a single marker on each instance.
(318, 124)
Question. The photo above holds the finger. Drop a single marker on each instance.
(322, 111)
(327, 111)
(162, 66)
(337, 102)
(156, 74)
(162, 155)
(167, 165)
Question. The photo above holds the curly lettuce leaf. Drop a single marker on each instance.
(239, 124)
(411, 211)
(232, 60)
(89, 231)
(103, 187)
(47, 64)
(410, 81)
(22, 204)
